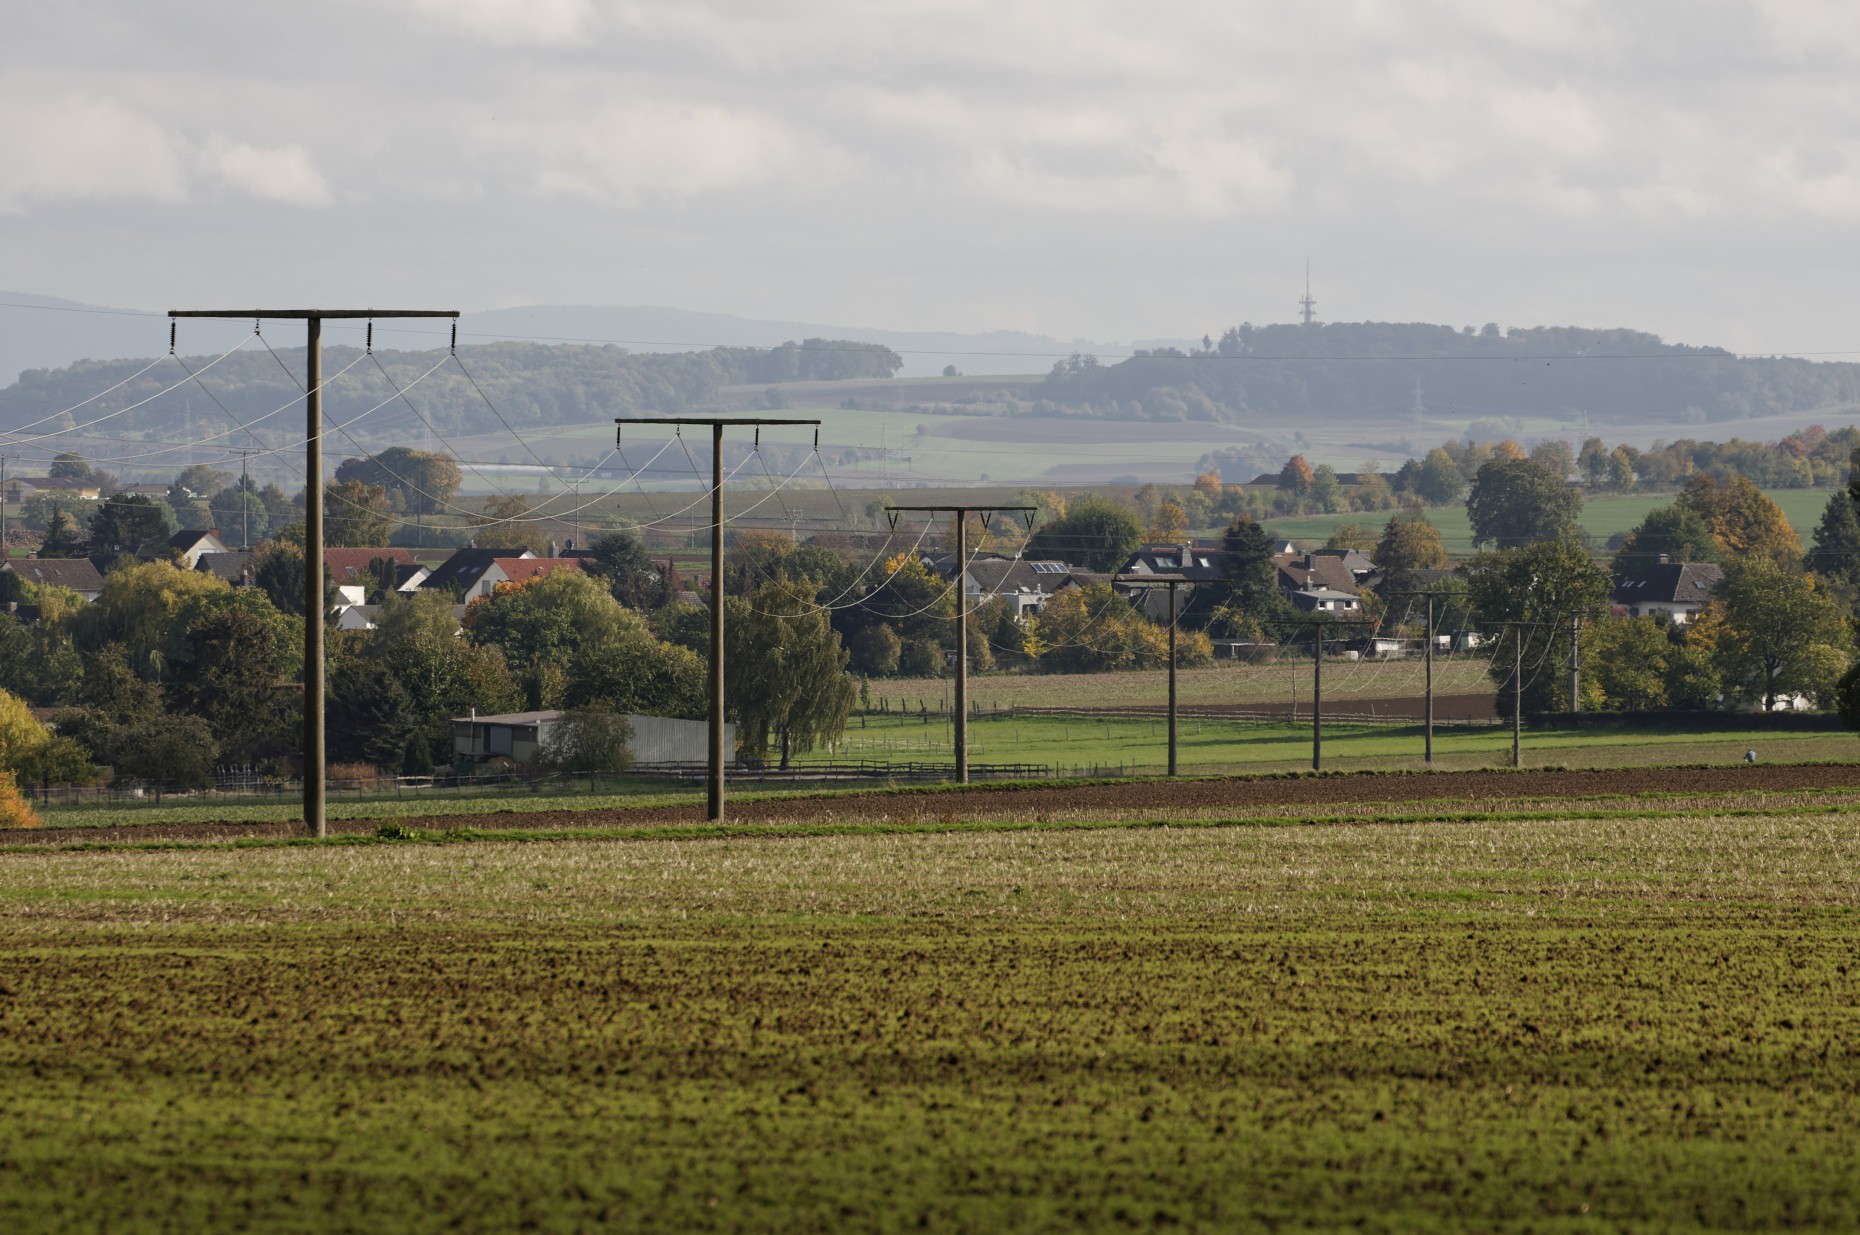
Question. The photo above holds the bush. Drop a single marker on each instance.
(14, 810)
(59, 761)
(588, 740)
(173, 752)
(875, 650)
(920, 658)
(1847, 697)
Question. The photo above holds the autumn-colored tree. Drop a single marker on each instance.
(1296, 475)
(505, 524)
(1208, 484)
(1350, 536)
(1745, 522)
(14, 810)
(1170, 524)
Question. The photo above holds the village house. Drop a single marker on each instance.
(191, 545)
(1323, 582)
(472, 572)
(1027, 584)
(79, 574)
(1677, 589)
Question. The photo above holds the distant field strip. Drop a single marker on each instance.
(1225, 683)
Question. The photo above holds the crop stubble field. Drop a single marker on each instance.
(1544, 1001)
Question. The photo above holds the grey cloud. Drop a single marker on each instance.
(1086, 168)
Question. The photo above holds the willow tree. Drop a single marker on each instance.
(785, 679)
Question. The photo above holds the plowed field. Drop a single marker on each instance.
(1647, 1022)
(1158, 799)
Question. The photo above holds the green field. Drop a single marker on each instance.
(1225, 682)
(1602, 517)
(1084, 745)
(1640, 1018)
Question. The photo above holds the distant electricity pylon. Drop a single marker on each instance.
(1307, 308)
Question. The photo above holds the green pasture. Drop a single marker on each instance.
(1087, 745)
(1638, 1022)
(1603, 516)
(1223, 682)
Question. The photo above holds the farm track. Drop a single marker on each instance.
(1138, 798)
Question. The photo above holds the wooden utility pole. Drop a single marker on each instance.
(1428, 722)
(962, 514)
(1317, 698)
(1517, 697)
(1427, 718)
(316, 768)
(1172, 582)
(714, 806)
(1575, 663)
(1317, 628)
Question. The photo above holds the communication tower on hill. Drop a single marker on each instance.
(1307, 308)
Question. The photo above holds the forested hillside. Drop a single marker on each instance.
(532, 384)
(1376, 369)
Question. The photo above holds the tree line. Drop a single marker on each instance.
(530, 384)
(1256, 373)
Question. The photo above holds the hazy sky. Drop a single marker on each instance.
(1108, 170)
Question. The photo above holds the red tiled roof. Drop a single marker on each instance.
(524, 569)
(349, 565)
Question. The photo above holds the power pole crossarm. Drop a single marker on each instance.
(316, 768)
(714, 795)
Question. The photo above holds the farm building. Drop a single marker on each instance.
(519, 737)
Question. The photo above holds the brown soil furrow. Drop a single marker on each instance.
(1156, 798)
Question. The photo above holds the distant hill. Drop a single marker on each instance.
(530, 385)
(46, 332)
(1376, 372)
(50, 333)
(925, 352)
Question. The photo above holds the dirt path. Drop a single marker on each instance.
(1145, 798)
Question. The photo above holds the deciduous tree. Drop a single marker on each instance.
(1744, 520)
(785, 672)
(1546, 587)
(1676, 532)
(1783, 633)
(1515, 502)
(355, 515)
(1094, 533)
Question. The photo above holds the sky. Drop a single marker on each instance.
(1079, 169)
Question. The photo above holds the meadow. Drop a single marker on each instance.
(1547, 1019)
(1222, 683)
(1603, 516)
(1086, 745)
